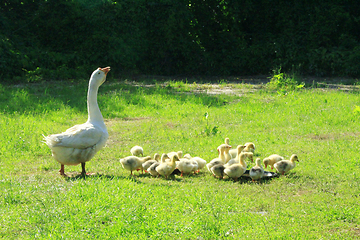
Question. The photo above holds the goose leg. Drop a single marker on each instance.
(83, 171)
(62, 170)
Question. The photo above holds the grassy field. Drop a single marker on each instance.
(319, 199)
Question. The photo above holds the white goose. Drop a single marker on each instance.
(80, 143)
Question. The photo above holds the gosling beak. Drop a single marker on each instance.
(105, 70)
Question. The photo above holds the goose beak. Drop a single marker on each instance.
(105, 70)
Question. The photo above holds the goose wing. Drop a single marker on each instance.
(79, 136)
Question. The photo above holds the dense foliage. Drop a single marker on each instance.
(67, 38)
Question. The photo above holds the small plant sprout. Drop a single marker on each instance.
(209, 130)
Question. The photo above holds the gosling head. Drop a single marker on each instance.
(240, 148)
(223, 148)
(294, 158)
(266, 162)
(175, 158)
(251, 145)
(164, 156)
(156, 156)
(250, 156)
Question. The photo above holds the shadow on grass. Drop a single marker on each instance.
(79, 176)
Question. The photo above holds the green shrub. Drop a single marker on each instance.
(283, 81)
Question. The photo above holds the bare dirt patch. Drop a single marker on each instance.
(334, 136)
(242, 84)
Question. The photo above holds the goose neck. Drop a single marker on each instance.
(94, 114)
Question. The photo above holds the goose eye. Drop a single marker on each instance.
(98, 72)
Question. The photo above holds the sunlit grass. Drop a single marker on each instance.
(317, 200)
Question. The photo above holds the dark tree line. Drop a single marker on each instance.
(58, 39)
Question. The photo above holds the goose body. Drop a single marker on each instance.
(200, 162)
(271, 160)
(218, 171)
(256, 172)
(80, 143)
(152, 168)
(150, 162)
(238, 169)
(132, 163)
(285, 166)
(186, 166)
(166, 168)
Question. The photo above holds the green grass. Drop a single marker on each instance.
(316, 200)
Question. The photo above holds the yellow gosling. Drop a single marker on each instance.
(249, 147)
(132, 163)
(152, 168)
(284, 166)
(166, 168)
(271, 160)
(220, 159)
(238, 169)
(150, 162)
(137, 151)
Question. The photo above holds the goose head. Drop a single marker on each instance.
(294, 158)
(156, 156)
(98, 77)
(223, 148)
(163, 157)
(266, 162)
(240, 148)
(175, 158)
